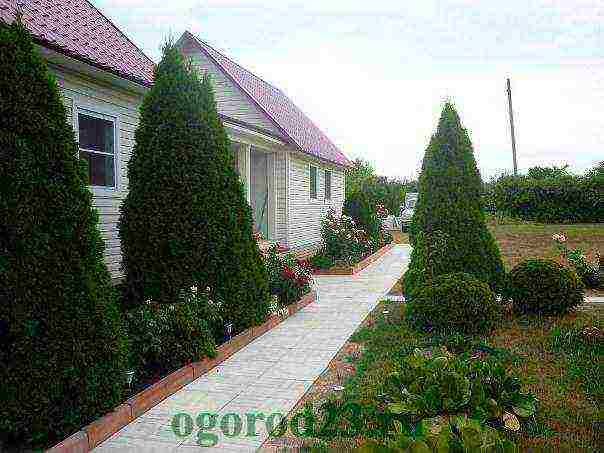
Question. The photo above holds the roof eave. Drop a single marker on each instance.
(61, 50)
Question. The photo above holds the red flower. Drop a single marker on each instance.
(288, 274)
(302, 280)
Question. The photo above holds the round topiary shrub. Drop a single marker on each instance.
(543, 286)
(454, 302)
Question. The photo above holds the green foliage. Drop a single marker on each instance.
(165, 337)
(450, 202)
(588, 272)
(61, 350)
(185, 220)
(390, 192)
(290, 278)
(584, 348)
(456, 302)
(543, 286)
(320, 261)
(550, 195)
(410, 393)
(440, 434)
(343, 242)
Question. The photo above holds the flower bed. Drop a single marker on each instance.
(356, 268)
(101, 429)
(289, 278)
(347, 248)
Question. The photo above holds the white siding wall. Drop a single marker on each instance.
(292, 199)
(79, 91)
(280, 229)
(305, 214)
(230, 100)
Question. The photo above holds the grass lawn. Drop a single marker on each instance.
(549, 355)
(522, 240)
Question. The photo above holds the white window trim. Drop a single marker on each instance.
(95, 112)
(325, 198)
(316, 198)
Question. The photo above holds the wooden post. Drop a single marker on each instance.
(509, 89)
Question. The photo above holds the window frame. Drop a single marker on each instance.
(95, 112)
(325, 195)
(310, 197)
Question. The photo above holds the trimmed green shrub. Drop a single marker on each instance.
(456, 302)
(543, 286)
(450, 202)
(165, 337)
(551, 197)
(61, 349)
(185, 220)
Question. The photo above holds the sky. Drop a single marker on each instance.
(373, 75)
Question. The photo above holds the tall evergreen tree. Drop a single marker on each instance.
(61, 353)
(185, 220)
(448, 215)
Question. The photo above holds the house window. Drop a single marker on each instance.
(313, 182)
(327, 184)
(97, 148)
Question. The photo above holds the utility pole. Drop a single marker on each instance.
(512, 127)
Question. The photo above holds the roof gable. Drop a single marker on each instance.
(288, 118)
(76, 28)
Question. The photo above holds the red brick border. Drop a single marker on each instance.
(101, 429)
(352, 270)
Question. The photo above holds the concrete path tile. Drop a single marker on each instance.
(270, 374)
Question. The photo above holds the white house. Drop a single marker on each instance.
(291, 171)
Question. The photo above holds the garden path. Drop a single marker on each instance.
(270, 374)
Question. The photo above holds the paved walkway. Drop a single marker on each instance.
(270, 374)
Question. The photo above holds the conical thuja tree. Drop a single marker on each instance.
(448, 230)
(185, 220)
(61, 353)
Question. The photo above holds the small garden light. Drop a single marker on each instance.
(129, 375)
(228, 330)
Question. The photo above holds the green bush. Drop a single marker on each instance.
(551, 196)
(185, 220)
(165, 337)
(290, 278)
(543, 286)
(61, 350)
(457, 302)
(343, 242)
(449, 201)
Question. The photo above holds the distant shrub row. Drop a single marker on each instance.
(550, 197)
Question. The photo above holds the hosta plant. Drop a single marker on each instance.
(435, 382)
(443, 434)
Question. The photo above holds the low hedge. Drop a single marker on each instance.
(454, 302)
(543, 286)
(562, 199)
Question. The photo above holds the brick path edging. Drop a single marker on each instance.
(101, 429)
(352, 270)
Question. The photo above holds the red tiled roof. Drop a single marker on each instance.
(278, 108)
(76, 28)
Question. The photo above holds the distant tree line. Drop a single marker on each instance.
(389, 192)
